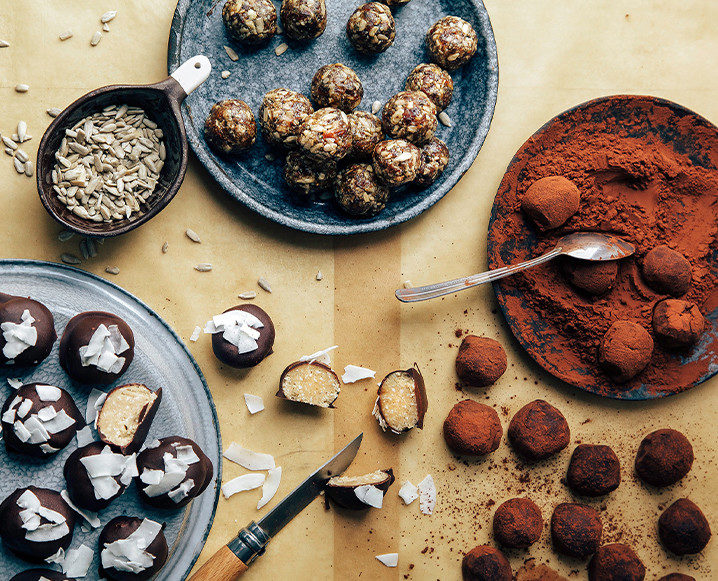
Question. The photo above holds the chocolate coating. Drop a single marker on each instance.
(625, 350)
(79, 485)
(594, 470)
(38, 574)
(11, 310)
(538, 430)
(518, 523)
(576, 529)
(616, 562)
(551, 201)
(664, 457)
(122, 527)
(228, 353)
(667, 271)
(481, 361)
(683, 528)
(484, 563)
(472, 428)
(677, 324)
(594, 277)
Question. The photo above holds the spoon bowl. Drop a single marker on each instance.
(595, 246)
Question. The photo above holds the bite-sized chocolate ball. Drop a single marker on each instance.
(677, 577)
(434, 159)
(345, 491)
(594, 277)
(683, 528)
(122, 539)
(576, 529)
(172, 471)
(625, 350)
(594, 470)
(371, 28)
(472, 428)
(451, 42)
(366, 133)
(396, 162)
(325, 135)
(667, 271)
(241, 336)
(281, 115)
(126, 415)
(35, 523)
(250, 21)
(96, 347)
(677, 324)
(303, 19)
(305, 175)
(485, 563)
(551, 201)
(230, 128)
(410, 115)
(39, 420)
(28, 331)
(518, 523)
(358, 192)
(337, 86)
(481, 361)
(664, 457)
(434, 82)
(616, 562)
(538, 431)
(40, 575)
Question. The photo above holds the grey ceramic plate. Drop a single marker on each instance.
(161, 359)
(197, 28)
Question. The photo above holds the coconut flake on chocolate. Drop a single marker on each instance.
(370, 494)
(18, 336)
(84, 436)
(58, 558)
(408, 492)
(48, 392)
(89, 516)
(104, 348)
(94, 405)
(102, 469)
(129, 554)
(77, 561)
(242, 484)
(248, 459)
(310, 382)
(388, 559)
(354, 373)
(37, 428)
(320, 356)
(254, 403)
(14, 382)
(270, 486)
(172, 481)
(238, 328)
(427, 495)
(126, 415)
(360, 492)
(401, 401)
(32, 516)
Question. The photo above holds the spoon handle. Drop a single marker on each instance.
(432, 291)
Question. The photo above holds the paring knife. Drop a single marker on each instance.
(235, 557)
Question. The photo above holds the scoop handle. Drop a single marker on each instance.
(192, 73)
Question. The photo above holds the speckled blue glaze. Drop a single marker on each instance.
(197, 28)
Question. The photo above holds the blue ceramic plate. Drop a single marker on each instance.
(197, 28)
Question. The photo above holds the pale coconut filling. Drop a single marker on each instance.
(18, 336)
(396, 406)
(104, 348)
(123, 411)
(311, 384)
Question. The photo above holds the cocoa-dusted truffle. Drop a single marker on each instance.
(480, 361)
(664, 457)
(533, 571)
(625, 350)
(310, 382)
(485, 563)
(518, 523)
(126, 416)
(538, 431)
(677, 577)
(576, 529)
(667, 271)
(40, 575)
(230, 127)
(360, 492)
(338, 86)
(96, 347)
(472, 428)
(616, 562)
(242, 336)
(594, 277)
(677, 324)
(683, 528)
(28, 331)
(401, 401)
(551, 201)
(39, 420)
(132, 549)
(594, 470)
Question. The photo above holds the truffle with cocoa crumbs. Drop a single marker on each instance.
(325, 135)
(396, 162)
(549, 202)
(472, 429)
(616, 562)
(122, 539)
(350, 492)
(518, 523)
(594, 470)
(594, 277)
(683, 528)
(677, 324)
(434, 82)
(303, 19)
(451, 42)
(337, 86)
(242, 336)
(667, 271)
(305, 176)
(40, 575)
(576, 529)
(677, 577)
(358, 192)
(533, 571)
(625, 350)
(96, 347)
(126, 416)
(281, 115)
(401, 401)
(28, 331)
(310, 382)
(434, 159)
(230, 128)
(371, 28)
(410, 115)
(664, 457)
(538, 431)
(366, 133)
(485, 563)
(250, 21)
(481, 361)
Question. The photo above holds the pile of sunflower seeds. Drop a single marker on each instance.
(20, 158)
(108, 164)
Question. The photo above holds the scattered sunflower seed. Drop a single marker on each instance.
(4, 44)
(281, 49)
(21, 155)
(112, 270)
(165, 248)
(248, 295)
(84, 250)
(106, 27)
(445, 119)
(22, 88)
(54, 111)
(264, 284)
(231, 53)
(320, 276)
(9, 151)
(70, 258)
(225, 74)
(65, 235)
(21, 130)
(19, 166)
(407, 284)
(375, 107)
(96, 38)
(203, 267)
(108, 16)
(66, 35)
(9, 143)
(29, 170)
(193, 236)
(90, 246)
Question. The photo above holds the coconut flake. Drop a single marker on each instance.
(242, 484)
(47, 449)
(270, 486)
(48, 392)
(408, 492)
(94, 405)
(57, 558)
(182, 491)
(14, 382)
(77, 561)
(104, 348)
(171, 481)
(84, 436)
(427, 495)
(370, 494)
(90, 517)
(58, 423)
(24, 408)
(195, 334)
(186, 454)
(18, 336)
(248, 459)
(354, 373)
(130, 554)
(238, 328)
(254, 403)
(33, 513)
(105, 467)
(388, 559)
(320, 356)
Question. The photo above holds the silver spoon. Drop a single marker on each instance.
(583, 245)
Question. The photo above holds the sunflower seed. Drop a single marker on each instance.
(281, 49)
(264, 284)
(106, 27)
(9, 151)
(165, 248)
(375, 107)
(66, 35)
(83, 249)
(21, 155)
(65, 235)
(407, 284)
(231, 53)
(203, 267)
(96, 38)
(19, 166)
(225, 74)
(9, 143)
(29, 170)
(70, 258)
(91, 247)
(21, 130)
(4, 43)
(108, 16)
(192, 235)
(248, 295)
(22, 88)
(54, 111)
(445, 119)
(112, 270)
(320, 276)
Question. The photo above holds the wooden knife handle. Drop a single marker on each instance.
(224, 565)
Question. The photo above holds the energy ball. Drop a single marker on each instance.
(616, 562)
(28, 331)
(481, 361)
(371, 28)
(472, 429)
(230, 128)
(410, 115)
(366, 133)
(625, 350)
(132, 549)
(250, 21)
(401, 401)
(126, 416)
(325, 135)
(303, 19)
(538, 431)
(281, 115)
(434, 159)
(396, 162)
(594, 277)
(594, 470)
(434, 82)
(576, 529)
(309, 382)
(667, 271)
(677, 324)
(518, 523)
(40, 575)
(485, 563)
(451, 42)
(551, 201)
(242, 336)
(358, 192)
(337, 86)
(305, 176)
(683, 528)
(664, 457)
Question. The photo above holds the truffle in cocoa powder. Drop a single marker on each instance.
(677, 324)
(683, 528)
(616, 562)
(594, 277)
(551, 201)
(664, 457)
(667, 271)
(518, 523)
(485, 563)
(576, 529)
(538, 431)
(480, 361)
(625, 350)
(472, 428)
(594, 470)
